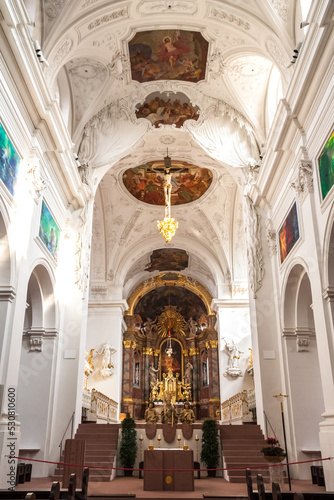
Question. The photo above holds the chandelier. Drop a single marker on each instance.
(168, 225)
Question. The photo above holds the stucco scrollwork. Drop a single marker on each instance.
(254, 245)
(38, 180)
(281, 6)
(216, 65)
(303, 182)
(108, 18)
(164, 6)
(231, 18)
(53, 8)
(83, 245)
(271, 238)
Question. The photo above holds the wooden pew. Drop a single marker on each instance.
(260, 487)
(54, 494)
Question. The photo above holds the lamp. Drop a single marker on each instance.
(168, 225)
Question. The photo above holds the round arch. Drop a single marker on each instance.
(164, 280)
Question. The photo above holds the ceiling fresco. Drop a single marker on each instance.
(168, 55)
(168, 259)
(145, 182)
(165, 111)
(155, 302)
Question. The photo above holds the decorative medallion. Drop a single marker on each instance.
(146, 181)
(168, 55)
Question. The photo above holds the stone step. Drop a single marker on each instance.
(237, 461)
(100, 445)
(99, 427)
(235, 437)
(100, 440)
(102, 457)
(241, 445)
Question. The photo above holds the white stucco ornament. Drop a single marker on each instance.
(233, 353)
(107, 368)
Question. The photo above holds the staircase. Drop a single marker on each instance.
(101, 448)
(241, 445)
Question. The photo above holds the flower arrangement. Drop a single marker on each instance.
(273, 449)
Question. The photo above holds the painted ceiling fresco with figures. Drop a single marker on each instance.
(200, 78)
(164, 109)
(168, 55)
(154, 303)
(146, 182)
(168, 259)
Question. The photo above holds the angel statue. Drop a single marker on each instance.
(234, 352)
(107, 351)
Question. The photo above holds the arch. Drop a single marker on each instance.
(40, 297)
(38, 355)
(301, 362)
(218, 269)
(159, 281)
(289, 289)
(328, 252)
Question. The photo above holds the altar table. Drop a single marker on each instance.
(171, 479)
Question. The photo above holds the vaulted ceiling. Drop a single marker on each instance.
(91, 72)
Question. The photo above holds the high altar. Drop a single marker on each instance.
(170, 347)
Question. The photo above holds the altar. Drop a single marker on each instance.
(173, 477)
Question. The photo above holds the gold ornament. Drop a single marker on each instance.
(170, 320)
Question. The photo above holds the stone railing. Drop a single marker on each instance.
(236, 410)
(103, 407)
(99, 407)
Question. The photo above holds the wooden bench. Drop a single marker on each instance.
(53, 494)
(56, 493)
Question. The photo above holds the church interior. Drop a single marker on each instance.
(166, 228)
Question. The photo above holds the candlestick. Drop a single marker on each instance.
(159, 439)
(141, 446)
(179, 440)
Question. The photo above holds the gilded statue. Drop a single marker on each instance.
(151, 416)
(187, 415)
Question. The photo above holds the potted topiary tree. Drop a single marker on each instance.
(128, 446)
(210, 446)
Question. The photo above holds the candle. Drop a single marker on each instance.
(151, 443)
(141, 438)
(196, 438)
(184, 443)
(159, 437)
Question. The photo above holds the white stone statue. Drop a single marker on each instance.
(193, 326)
(188, 373)
(233, 352)
(107, 368)
(153, 374)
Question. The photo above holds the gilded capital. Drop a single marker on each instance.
(214, 344)
(127, 344)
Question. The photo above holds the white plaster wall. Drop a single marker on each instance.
(105, 323)
(305, 402)
(234, 324)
